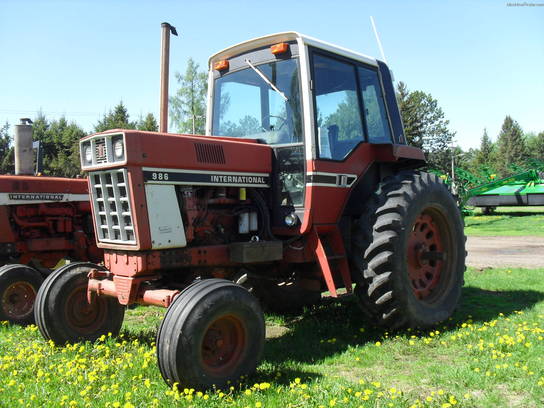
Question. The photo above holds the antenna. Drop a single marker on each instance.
(378, 38)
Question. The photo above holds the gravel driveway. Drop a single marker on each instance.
(520, 252)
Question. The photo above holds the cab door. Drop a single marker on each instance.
(350, 121)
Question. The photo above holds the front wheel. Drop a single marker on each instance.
(63, 313)
(409, 252)
(212, 334)
(18, 287)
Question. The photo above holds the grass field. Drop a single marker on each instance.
(507, 221)
(489, 354)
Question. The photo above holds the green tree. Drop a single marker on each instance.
(347, 117)
(6, 150)
(149, 123)
(60, 145)
(410, 118)
(188, 105)
(246, 126)
(116, 119)
(512, 151)
(484, 157)
(535, 146)
(425, 126)
(539, 147)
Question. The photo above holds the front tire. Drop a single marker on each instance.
(63, 314)
(212, 334)
(409, 252)
(19, 285)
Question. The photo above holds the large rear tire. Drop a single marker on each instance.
(409, 252)
(19, 285)
(63, 313)
(212, 334)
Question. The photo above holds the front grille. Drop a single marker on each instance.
(100, 150)
(112, 207)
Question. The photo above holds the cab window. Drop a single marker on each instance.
(338, 114)
(374, 107)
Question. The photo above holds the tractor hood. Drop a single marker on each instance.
(132, 148)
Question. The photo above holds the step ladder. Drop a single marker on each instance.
(336, 261)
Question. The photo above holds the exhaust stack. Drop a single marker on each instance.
(24, 153)
(165, 64)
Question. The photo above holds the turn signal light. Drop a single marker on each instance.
(221, 65)
(279, 48)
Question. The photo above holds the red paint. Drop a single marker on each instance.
(39, 184)
(325, 205)
(18, 300)
(320, 233)
(176, 151)
(223, 344)
(424, 274)
(46, 232)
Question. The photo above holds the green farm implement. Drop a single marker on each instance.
(522, 189)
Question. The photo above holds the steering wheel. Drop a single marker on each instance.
(283, 122)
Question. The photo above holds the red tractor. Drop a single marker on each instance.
(306, 186)
(42, 221)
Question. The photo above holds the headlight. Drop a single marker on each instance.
(87, 154)
(291, 219)
(118, 149)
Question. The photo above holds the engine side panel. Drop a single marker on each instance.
(165, 222)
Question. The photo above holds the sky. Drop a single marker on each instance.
(482, 60)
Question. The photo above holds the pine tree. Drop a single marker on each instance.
(149, 123)
(60, 146)
(6, 151)
(188, 106)
(425, 126)
(116, 119)
(408, 109)
(512, 151)
(484, 155)
(539, 152)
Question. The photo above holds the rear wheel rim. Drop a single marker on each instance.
(429, 254)
(223, 345)
(18, 300)
(84, 317)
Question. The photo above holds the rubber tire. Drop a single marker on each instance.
(379, 251)
(180, 335)
(10, 274)
(489, 210)
(50, 306)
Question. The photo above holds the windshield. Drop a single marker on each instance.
(245, 105)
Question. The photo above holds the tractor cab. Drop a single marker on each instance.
(320, 107)
(303, 184)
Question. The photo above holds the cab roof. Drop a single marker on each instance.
(284, 37)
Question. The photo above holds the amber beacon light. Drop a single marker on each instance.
(221, 65)
(280, 48)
